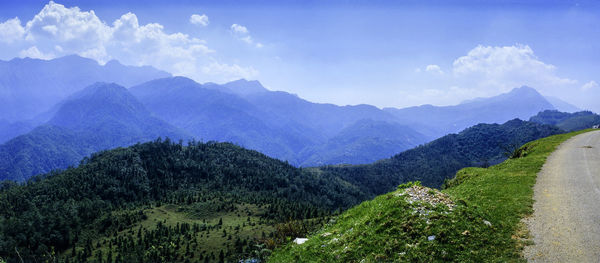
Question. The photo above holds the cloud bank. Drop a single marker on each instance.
(57, 31)
(503, 68)
(489, 70)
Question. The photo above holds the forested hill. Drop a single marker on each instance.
(115, 199)
(101, 116)
(117, 189)
(567, 121)
(432, 163)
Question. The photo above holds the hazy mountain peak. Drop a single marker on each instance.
(171, 81)
(76, 60)
(245, 87)
(29, 87)
(524, 90)
(562, 105)
(98, 101)
(99, 88)
(520, 91)
(113, 62)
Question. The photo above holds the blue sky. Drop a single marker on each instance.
(396, 53)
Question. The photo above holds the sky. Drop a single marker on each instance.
(383, 53)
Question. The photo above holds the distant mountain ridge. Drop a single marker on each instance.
(277, 123)
(29, 86)
(432, 163)
(102, 116)
(521, 103)
(365, 141)
(562, 105)
(567, 121)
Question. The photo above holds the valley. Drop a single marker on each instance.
(171, 170)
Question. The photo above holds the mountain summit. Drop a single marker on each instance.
(437, 121)
(102, 116)
(29, 87)
(244, 87)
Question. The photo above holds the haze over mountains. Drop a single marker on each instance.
(167, 192)
(522, 103)
(72, 122)
(100, 117)
(29, 87)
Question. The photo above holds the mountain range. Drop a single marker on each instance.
(277, 123)
(29, 87)
(108, 175)
(522, 103)
(124, 202)
(481, 145)
(100, 117)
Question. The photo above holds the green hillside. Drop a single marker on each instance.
(211, 202)
(164, 202)
(432, 163)
(567, 121)
(475, 219)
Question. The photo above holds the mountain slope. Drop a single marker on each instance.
(363, 142)
(327, 119)
(477, 219)
(561, 105)
(567, 121)
(244, 87)
(29, 87)
(209, 114)
(432, 163)
(102, 116)
(9, 130)
(214, 190)
(276, 123)
(519, 103)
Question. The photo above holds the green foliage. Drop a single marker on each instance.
(505, 191)
(567, 121)
(102, 116)
(440, 159)
(94, 209)
(483, 226)
(409, 185)
(103, 197)
(392, 229)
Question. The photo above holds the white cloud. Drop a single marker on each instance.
(590, 86)
(57, 30)
(239, 29)
(201, 20)
(34, 52)
(507, 67)
(490, 70)
(242, 33)
(434, 68)
(11, 30)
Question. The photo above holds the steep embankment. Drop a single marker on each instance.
(476, 219)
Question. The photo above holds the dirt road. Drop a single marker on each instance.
(566, 221)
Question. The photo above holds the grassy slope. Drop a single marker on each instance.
(212, 241)
(385, 229)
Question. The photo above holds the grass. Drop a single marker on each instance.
(240, 223)
(484, 226)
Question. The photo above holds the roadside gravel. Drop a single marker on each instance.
(565, 225)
